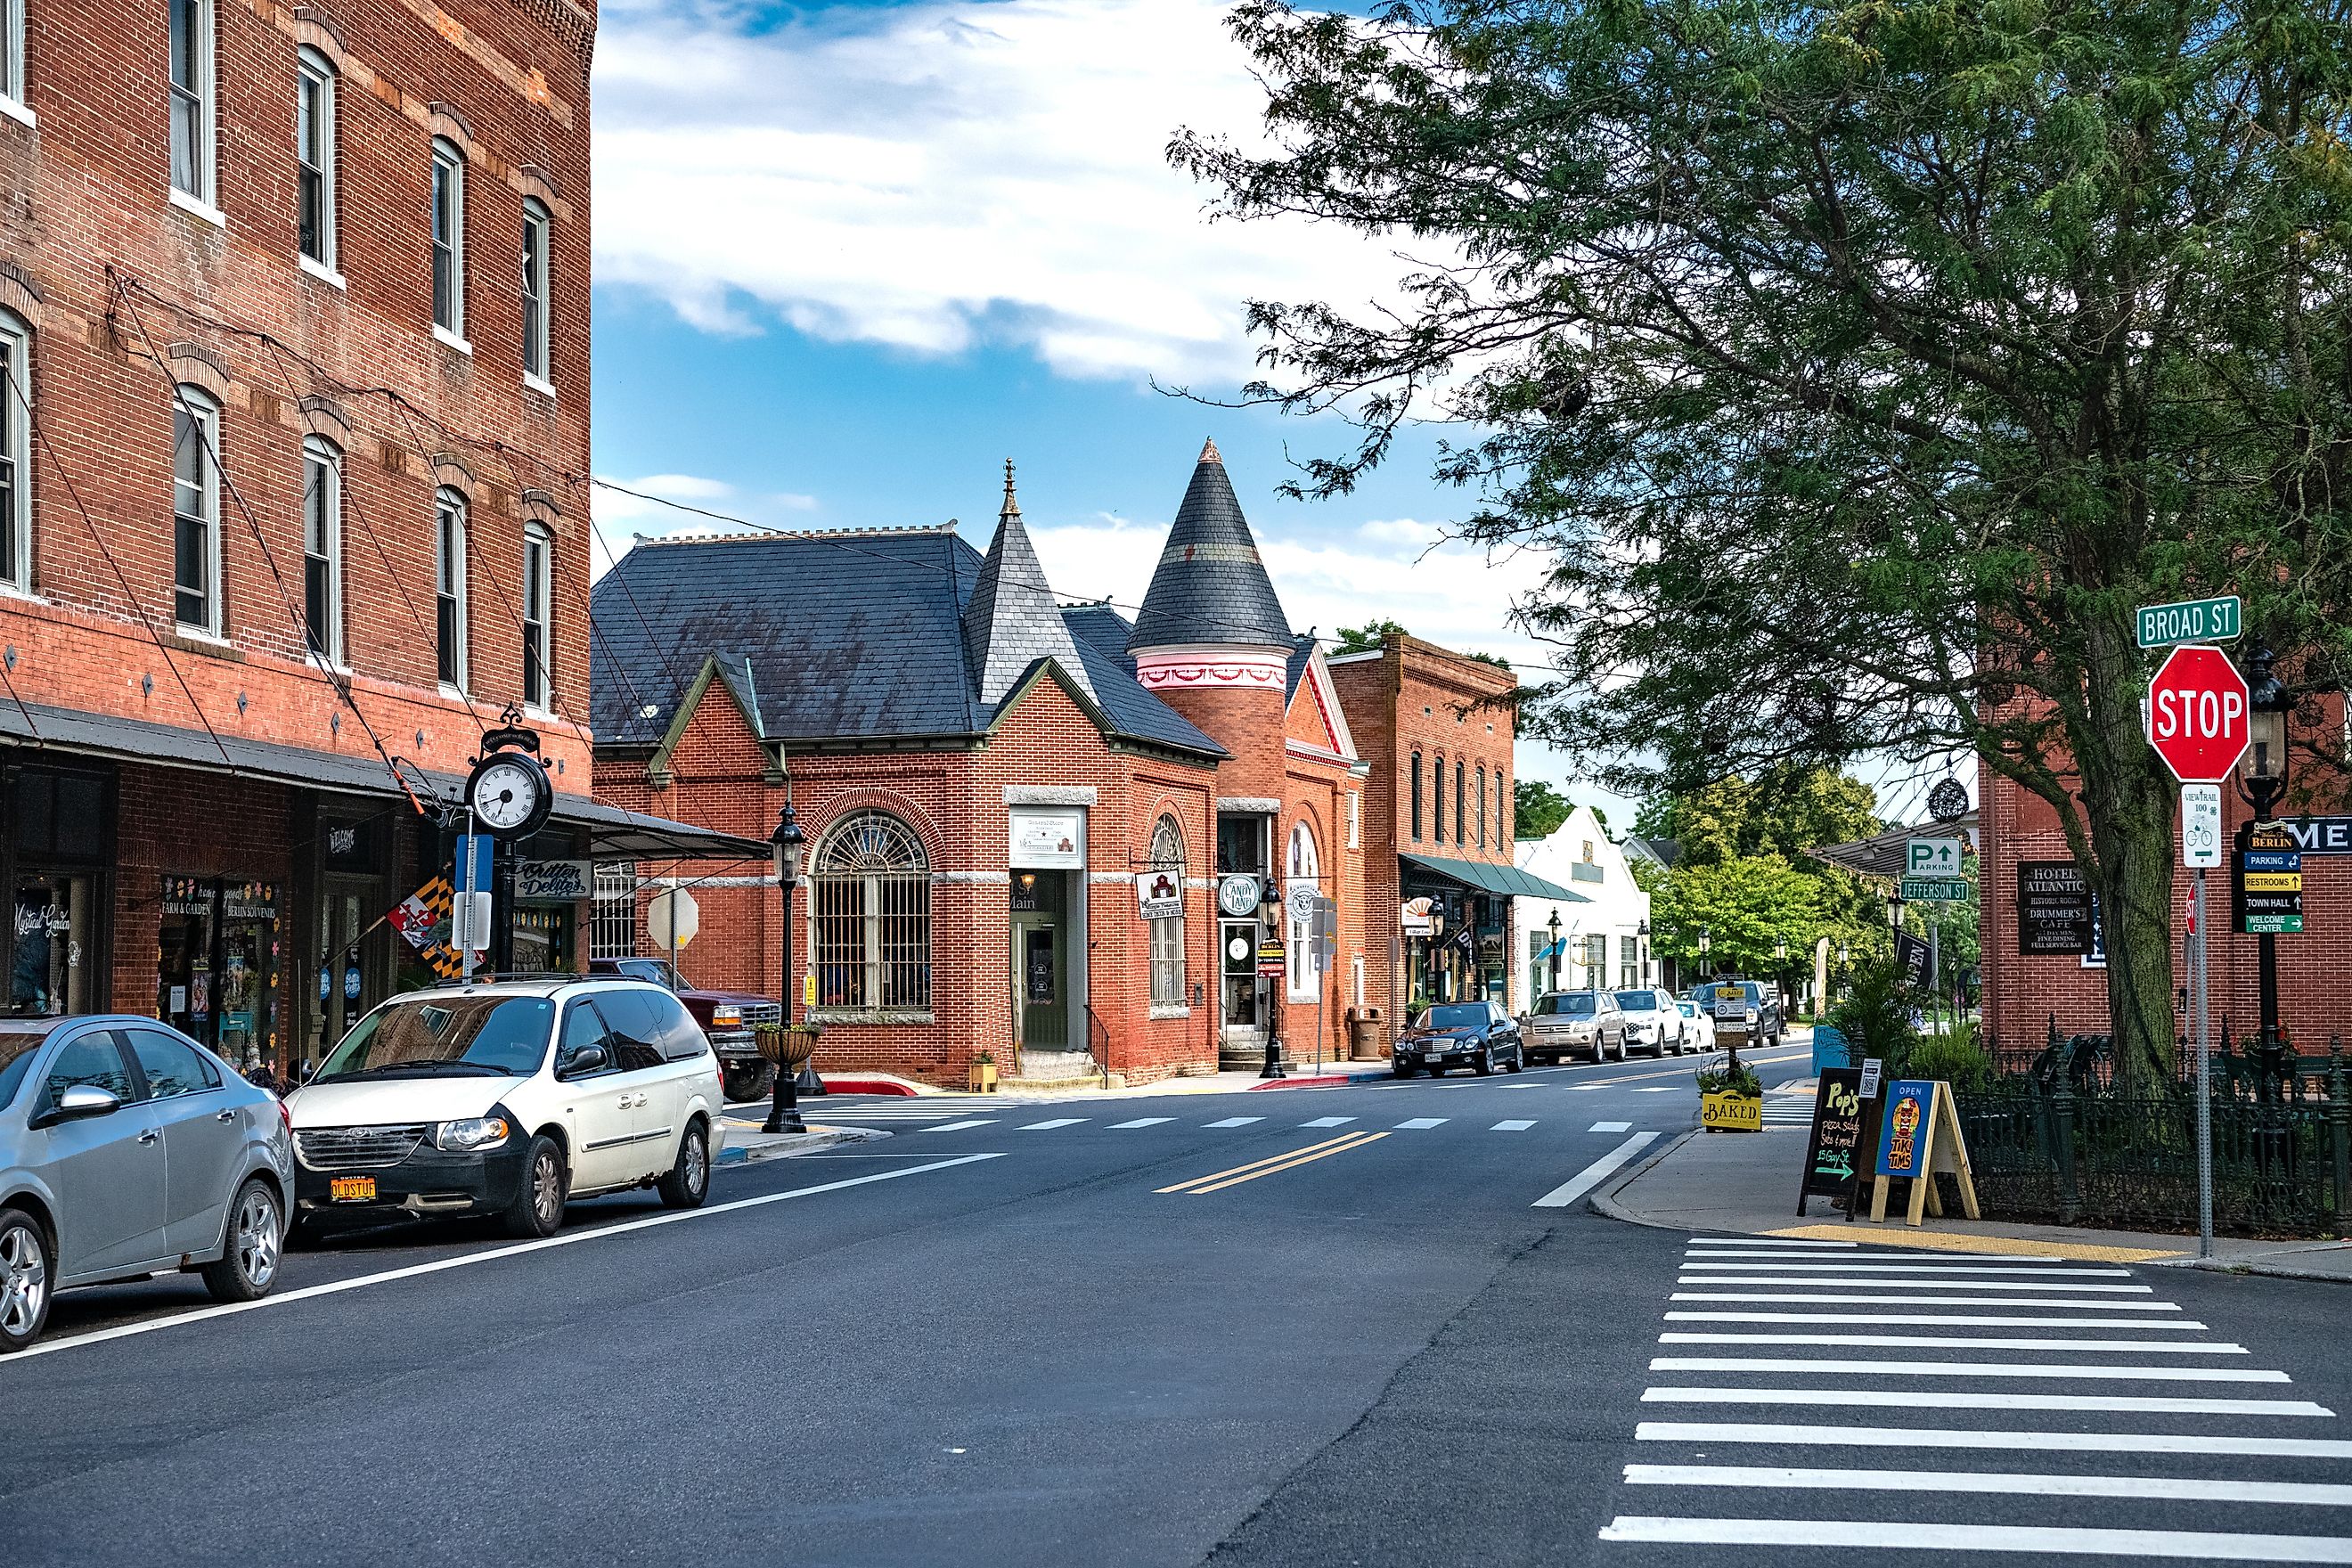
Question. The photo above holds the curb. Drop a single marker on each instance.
(802, 1144)
(1324, 1081)
(1603, 1202)
(2268, 1270)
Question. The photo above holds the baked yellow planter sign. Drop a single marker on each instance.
(1727, 1112)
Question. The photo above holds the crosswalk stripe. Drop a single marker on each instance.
(1963, 1320)
(1798, 1260)
(2136, 1347)
(1927, 1536)
(1421, 1124)
(1921, 1300)
(1611, 1127)
(2320, 1494)
(959, 1126)
(1510, 1127)
(1855, 1266)
(1875, 1284)
(1057, 1121)
(1593, 1175)
(1808, 1367)
(1329, 1121)
(1951, 1399)
(1140, 1122)
(1236, 1121)
(1969, 1437)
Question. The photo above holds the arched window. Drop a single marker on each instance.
(870, 895)
(314, 157)
(1300, 865)
(1168, 930)
(1440, 834)
(538, 612)
(1416, 796)
(15, 470)
(1502, 814)
(323, 546)
(1458, 777)
(449, 586)
(195, 510)
(1482, 806)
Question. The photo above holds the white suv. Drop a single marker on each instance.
(507, 1099)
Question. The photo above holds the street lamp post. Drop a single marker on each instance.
(1553, 925)
(1706, 941)
(2263, 780)
(788, 843)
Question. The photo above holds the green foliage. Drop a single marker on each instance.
(1854, 370)
(1538, 809)
(1956, 1058)
(1366, 638)
(1739, 1079)
(1747, 905)
(1875, 1018)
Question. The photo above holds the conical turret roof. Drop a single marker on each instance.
(1210, 587)
(1011, 621)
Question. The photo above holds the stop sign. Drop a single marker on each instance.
(2197, 714)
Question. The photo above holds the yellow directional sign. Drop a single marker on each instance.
(2274, 881)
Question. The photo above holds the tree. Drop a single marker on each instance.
(1538, 809)
(1366, 637)
(1749, 906)
(1857, 368)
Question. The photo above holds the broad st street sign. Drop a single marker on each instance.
(2193, 620)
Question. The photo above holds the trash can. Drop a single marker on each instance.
(1829, 1048)
(1364, 1026)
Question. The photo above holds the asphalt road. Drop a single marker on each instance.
(1113, 1332)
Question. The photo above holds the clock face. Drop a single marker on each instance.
(506, 794)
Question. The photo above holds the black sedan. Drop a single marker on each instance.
(1459, 1034)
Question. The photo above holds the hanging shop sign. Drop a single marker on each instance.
(1420, 917)
(2053, 908)
(1914, 959)
(1049, 840)
(1237, 895)
(552, 882)
(1273, 960)
(1159, 895)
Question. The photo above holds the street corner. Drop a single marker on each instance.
(753, 1147)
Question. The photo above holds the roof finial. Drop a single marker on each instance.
(1011, 508)
(1209, 453)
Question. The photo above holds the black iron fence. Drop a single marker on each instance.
(2060, 1142)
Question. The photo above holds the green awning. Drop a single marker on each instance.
(1508, 881)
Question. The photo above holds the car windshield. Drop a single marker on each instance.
(505, 1037)
(652, 969)
(1636, 1000)
(1567, 1004)
(17, 1048)
(1460, 1015)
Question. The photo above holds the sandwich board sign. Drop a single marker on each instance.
(1918, 1137)
(1834, 1150)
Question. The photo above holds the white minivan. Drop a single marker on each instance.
(507, 1099)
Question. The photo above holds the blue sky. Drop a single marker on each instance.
(852, 258)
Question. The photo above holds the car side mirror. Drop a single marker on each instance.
(82, 1102)
(586, 1059)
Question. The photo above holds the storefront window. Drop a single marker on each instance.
(1168, 932)
(48, 973)
(217, 972)
(542, 939)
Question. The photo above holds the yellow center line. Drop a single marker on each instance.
(1305, 1158)
(1254, 1164)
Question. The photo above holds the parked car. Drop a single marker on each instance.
(1767, 1025)
(508, 1099)
(1565, 1022)
(1699, 1025)
(126, 1149)
(1651, 1019)
(729, 1019)
(1459, 1034)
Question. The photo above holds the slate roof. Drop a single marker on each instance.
(846, 635)
(1101, 634)
(1211, 586)
(1011, 621)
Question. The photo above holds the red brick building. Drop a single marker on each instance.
(1018, 813)
(293, 438)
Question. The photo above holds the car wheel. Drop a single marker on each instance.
(1399, 1069)
(741, 1081)
(1486, 1062)
(1519, 1058)
(538, 1207)
(23, 1280)
(688, 1182)
(251, 1251)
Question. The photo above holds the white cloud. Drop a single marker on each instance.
(945, 173)
(622, 515)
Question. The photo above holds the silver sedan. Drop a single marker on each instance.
(126, 1149)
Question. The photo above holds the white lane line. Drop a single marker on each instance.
(1329, 1121)
(1850, 1265)
(416, 1270)
(961, 1126)
(1949, 1399)
(1593, 1175)
(1874, 1284)
(2167, 1325)
(1660, 1089)
(1611, 1127)
(1805, 1367)
(1923, 1536)
(1140, 1122)
(2136, 1347)
(1510, 1127)
(2320, 1494)
(1966, 1437)
(1236, 1121)
(2069, 1306)
(1057, 1121)
(1421, 1124)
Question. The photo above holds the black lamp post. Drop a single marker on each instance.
(1706, 941)
(2261, 780)
(1553, 924)
(789, 844)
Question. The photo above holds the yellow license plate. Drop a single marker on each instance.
(351, 1189)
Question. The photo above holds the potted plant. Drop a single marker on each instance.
(980, 1077)
(1730, 1100)
(788, 1045)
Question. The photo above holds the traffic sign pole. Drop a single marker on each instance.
(2199, 1000)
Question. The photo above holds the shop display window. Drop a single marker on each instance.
(49, 965)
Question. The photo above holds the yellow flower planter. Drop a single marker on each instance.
(1727, 1112)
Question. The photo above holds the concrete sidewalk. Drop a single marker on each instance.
(1745, 1184)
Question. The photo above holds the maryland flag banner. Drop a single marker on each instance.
(422, 917)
